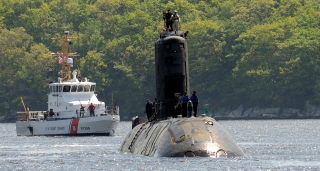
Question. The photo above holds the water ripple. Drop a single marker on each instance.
(268, 145)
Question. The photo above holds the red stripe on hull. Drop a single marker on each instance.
(74, 126)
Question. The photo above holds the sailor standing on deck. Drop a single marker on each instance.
(180, 104)
(92, 108)
(168, 20)
(51, 113)
(185, 100)
(148, 109)
(176, 105)
(195, 102)
(176, 21)
(154, 105)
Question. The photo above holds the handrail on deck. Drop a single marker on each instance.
(23, 116)
(30, 115)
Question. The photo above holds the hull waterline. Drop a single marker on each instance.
(101, 125)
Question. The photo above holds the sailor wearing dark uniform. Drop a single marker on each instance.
(195, 102)
(168, 19)
(176, 21)
(154, 105)
(185, 100)
(180, 104)
(186, 34)
(148, 109)
(162, 33)
(51, 113)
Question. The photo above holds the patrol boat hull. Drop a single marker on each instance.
(100, 125)
(67, 103)
(181, 137)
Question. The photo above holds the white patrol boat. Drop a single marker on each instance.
(68, 103)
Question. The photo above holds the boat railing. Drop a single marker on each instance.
(31, 115)
(23, 116)
(111, 110)
(172, 33)
(40, 115)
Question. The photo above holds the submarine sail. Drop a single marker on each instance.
(172, 71)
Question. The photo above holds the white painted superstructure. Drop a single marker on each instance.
(66, 98)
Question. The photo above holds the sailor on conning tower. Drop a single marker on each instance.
(176, 21)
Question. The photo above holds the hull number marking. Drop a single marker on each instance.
(85, 128)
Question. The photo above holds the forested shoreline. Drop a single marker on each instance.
(241, 52)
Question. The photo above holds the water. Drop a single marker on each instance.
(268, 144)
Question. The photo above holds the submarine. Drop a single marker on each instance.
(166, 134)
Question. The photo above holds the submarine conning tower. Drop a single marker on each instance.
(172, 71)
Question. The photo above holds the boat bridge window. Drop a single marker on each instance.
(86, 88)
(56, 89)
(60, 88)
(66, 88)
(92, 87)
(74, 88)
(51, 89)
(80, 88)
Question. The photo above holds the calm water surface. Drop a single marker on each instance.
(268, 144)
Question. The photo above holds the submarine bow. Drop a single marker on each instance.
(181, 137)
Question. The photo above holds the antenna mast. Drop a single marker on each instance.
(64, 55)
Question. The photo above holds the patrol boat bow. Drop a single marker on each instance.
(165, 136)
(68, 99)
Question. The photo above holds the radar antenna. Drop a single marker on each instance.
(64, 55)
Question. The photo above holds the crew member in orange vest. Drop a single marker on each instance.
(91, 108)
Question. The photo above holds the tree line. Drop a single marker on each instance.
(250, 52)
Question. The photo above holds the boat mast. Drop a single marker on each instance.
(64, 55)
